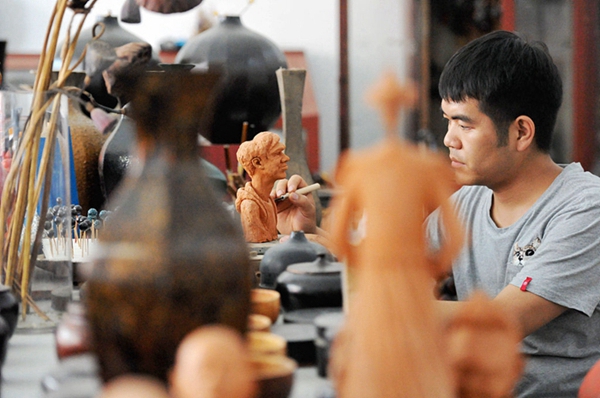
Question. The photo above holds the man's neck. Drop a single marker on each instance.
(512, 200)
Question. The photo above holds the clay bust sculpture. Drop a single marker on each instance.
(265, 162)
(392, 342)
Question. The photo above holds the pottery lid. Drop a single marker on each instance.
(320, 266)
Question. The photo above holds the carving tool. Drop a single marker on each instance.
(301, 191)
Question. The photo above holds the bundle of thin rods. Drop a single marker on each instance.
(29, 177)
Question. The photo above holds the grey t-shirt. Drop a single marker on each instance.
(555, 245)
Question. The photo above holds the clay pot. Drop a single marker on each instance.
(274, 375)
(265, 343)
(296, 249)
(259, 323)
(116, 155)
(311, 284)
(248, 90)
(265, 302)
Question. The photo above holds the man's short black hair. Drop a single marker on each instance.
(509, 77)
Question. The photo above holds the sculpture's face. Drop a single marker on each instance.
(276, 162)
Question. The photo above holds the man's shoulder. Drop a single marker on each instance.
(573, 174)
(575, 183)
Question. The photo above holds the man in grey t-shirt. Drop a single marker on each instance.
(533, 228)
(552, 251)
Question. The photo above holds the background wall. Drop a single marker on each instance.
(379, 39)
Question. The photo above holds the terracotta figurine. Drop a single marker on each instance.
(484, 349)
(265, 162)
(392, 344)
(133, 386)
(212, 362)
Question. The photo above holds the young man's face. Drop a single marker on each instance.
(276, 162)
(473, 143)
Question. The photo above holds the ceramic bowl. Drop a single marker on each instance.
(265, 343)
(274, 375)
(265, 302)
(259, 323)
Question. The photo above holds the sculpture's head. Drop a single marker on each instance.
(264, 154)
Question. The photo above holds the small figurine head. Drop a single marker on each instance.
(264, 153)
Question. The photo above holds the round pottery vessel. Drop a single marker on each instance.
(274, 375)
(265, 302)
(265, 343)
(248, 91)
(311, 285)
(296, 249)
(259, 323)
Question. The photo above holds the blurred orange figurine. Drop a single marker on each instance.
(212, 362)
(392, 344)
(264, 160)
(134, 386)
(484, 349)
(590, 386)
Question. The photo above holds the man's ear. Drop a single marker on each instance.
(525, 129)
(256, 162)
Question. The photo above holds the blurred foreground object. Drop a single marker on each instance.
(484, 349)
(392, 343)
(590, 387)
(212, 362)
(134, 386)
(172, 259)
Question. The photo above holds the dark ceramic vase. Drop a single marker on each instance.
(9, 308)
(113, 34)
(116, 155)
(248, 91)
(312, 284)
(296, 249)
(172, 259)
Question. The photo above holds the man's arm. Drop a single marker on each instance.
(529, 309)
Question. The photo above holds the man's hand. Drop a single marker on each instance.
(297, 212)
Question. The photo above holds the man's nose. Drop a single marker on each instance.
(450, 139)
